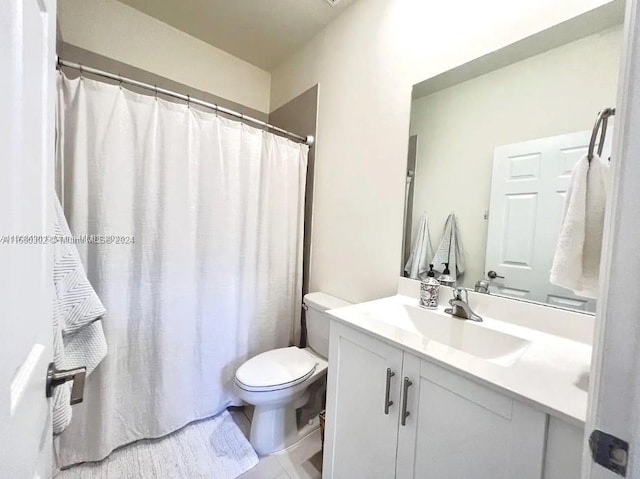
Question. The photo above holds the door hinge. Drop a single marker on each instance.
(609, 451)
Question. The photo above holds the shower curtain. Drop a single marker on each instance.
(197, 255)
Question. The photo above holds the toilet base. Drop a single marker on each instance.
(275, 427)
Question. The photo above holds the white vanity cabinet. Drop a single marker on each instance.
(361, 438)
(455, 428)
(564, 450)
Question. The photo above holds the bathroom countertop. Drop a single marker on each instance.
(549, 372)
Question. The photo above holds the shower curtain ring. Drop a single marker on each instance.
(81, 72)
(120, 81)
(155, 90)
(188, 101)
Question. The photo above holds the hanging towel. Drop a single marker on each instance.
(421, 252)
(450, 249)
(576, 263)
(78, 338)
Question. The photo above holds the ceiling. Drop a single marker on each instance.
(262, 32)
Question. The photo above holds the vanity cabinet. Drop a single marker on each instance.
(438, 425)
(564, 450)
(361, 438)
(457, 429)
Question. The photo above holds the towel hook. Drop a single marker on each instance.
(603, 119)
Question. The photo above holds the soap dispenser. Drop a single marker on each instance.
(445, 278)
(430, 290)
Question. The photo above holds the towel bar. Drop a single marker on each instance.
(603, 118)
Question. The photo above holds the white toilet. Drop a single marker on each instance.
(276, 381)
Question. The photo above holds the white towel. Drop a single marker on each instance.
(450, 249)
(421, 253)
(78, 338)
(576, 263)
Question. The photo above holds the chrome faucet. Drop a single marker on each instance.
(482, 286)
(460, 307)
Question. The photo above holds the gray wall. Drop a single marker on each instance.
(300, 116)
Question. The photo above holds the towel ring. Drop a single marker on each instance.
(603, 119)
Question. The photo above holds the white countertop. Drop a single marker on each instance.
(549, 372)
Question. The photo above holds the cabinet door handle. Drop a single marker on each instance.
(387, 392)
(405, 413)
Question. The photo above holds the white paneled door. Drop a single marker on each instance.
(528, 188)
(27, 83)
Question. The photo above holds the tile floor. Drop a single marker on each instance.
(301, 461)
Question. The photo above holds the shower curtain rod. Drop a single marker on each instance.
(129, 81)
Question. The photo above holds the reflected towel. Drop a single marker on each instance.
(450, 249)
(421, 253)
(576, 263)
(78, 338)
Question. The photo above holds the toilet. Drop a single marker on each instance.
(276, 382)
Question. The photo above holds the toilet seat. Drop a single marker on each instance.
(276, 369)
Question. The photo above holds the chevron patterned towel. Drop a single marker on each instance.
(78, 338)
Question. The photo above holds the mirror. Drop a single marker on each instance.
(493, 143)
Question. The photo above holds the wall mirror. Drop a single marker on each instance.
(493, 143)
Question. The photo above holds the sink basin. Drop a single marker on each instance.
(466, 336)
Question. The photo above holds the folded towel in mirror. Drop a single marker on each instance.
(450, 249)
(421, 253)
(576, 263)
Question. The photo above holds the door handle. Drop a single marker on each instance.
(494, 275)
(387, 402)
(405, 413)
(57, 377)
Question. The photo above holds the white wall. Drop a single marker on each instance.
(119, 32)
(459, 127)
(366, 62)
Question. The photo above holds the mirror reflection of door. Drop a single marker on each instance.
(528, 189)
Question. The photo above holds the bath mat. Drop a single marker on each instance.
(214, 448)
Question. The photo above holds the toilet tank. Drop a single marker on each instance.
(316, 305)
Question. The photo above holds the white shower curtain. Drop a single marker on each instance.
(215, 212)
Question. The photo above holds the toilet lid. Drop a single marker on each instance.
(278, 367)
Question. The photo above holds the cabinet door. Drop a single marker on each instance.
(564, 450)
(360, 437)
(458, 429)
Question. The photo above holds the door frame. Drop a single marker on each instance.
(615, 372)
